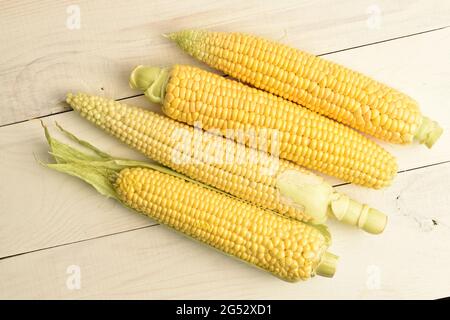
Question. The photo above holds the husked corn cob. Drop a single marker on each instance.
(192, 95)
(320, 85)
(243, 172)
(287, 248)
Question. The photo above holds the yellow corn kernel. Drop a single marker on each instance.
(207, 215)
(171, 143)
(210, 217)
(293, 74)
(358, 160)
(246, 173)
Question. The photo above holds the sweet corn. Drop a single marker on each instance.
(320, 85)
(243, 172)
(289, 249)
(192, 95)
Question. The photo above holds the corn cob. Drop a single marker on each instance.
(192, 95)
(287, 248)
(320, 85)
(248, 174)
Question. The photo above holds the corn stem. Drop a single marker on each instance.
(151, 80)
(428, 132)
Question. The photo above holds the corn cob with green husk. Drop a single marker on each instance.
(249, 174)
(289, 249)
(320, 85)
(192, 95)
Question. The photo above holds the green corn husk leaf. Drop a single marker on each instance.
(99, 169)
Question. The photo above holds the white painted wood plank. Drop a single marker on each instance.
(410, 260)
(418, 66)
(42, 57)
(54, 201)
(39, 207)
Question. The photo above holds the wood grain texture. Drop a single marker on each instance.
(49, 221)
(410, 259)
(48, 218)
(42, 57)
(419, 76)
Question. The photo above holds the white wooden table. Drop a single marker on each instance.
(55, 230)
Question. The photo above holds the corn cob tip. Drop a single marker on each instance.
(428, 132)
(77, 101)
(171, 36)
(327, 266)
(151, 80)
(69, 97)
(74, 100)
(186, 39)
(175, 36)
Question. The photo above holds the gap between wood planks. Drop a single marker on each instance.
(319, 55)
(157, 224)
(138, 95)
